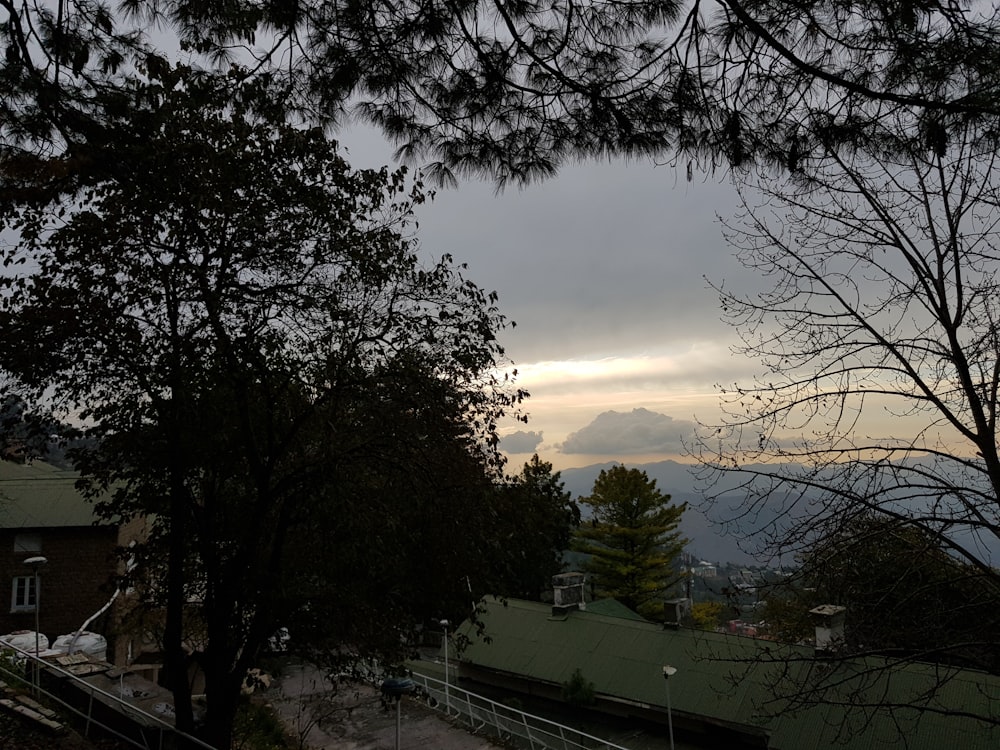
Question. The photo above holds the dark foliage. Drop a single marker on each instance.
(877, 401)
(541, 518)
(514, 90)
(270, 371)
(905, 596)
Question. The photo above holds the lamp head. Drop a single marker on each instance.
(36, 562)
(668, 671)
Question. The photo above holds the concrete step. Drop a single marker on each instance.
(32, 711)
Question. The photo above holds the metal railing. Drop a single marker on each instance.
(152, 732)
(483, 715)
(480, 714)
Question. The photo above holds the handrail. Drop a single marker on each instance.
(123, 706)
(508, 722)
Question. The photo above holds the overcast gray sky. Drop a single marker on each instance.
(603, 271)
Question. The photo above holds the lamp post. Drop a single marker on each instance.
(396, 688)
(35, 563)
(669, 672)
(447, 696)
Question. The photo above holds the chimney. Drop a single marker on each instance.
(674, 611)
(567, 593)
(829, 619)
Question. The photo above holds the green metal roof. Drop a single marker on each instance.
(38, 495)
(613, 608)
(726, 679)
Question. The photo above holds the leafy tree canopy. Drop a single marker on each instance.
(904, 594)
(306, 408)
(707, 615)
(539, 506)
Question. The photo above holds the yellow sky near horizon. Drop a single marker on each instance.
(569, 397)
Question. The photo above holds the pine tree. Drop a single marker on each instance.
(632, 539)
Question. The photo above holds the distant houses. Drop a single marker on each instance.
(723, 691)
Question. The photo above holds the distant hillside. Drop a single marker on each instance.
(708, 540)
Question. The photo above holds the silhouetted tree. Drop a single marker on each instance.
(905, 596)
(514, 90)
(880, 345)
(543, 514)
(244, 323)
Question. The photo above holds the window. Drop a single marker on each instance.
(27, 543)
(23, 594)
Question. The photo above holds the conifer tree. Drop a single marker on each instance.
(632, 539)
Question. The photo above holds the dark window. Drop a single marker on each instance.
(23, 595)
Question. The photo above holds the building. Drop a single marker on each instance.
(704, 570)
(42, 514)
(725, 691)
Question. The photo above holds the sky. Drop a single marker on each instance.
(603, 269)
(618, 337)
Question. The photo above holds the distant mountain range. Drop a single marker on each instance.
(707, 539)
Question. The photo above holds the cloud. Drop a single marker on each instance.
(698, 364)
(630, 433)
(521, 442)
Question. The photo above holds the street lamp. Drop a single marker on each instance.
(669, 672)
(35, 563)
(396, 688)
(447, 697)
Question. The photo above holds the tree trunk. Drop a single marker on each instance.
(222, 691)
(175, 673)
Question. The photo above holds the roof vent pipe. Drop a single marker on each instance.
(567, 593)
(675, 611)
(829, 620)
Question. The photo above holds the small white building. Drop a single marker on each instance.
(704, 570)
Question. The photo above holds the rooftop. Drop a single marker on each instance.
(730, 680)
(38, 495)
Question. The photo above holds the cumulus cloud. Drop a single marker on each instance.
(521, 442)
(630, 433)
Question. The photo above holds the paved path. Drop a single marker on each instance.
(355, 718)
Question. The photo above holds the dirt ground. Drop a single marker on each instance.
(18, 734)
(356, 719)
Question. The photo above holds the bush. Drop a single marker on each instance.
(578, 690)
(258, 727)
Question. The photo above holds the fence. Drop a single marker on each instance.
(149, 732)
(91, 705)
(483, 715)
